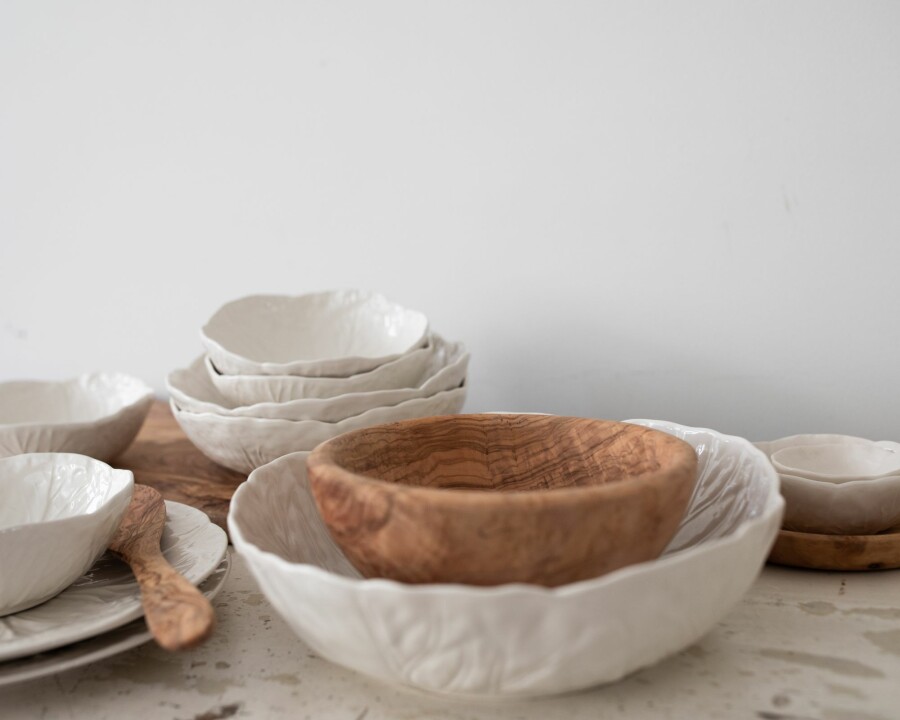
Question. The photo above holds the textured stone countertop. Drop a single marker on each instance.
(801, 645)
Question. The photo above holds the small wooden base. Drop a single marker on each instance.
(837, 552)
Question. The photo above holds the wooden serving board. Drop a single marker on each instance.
(837, 552)
(163, 458)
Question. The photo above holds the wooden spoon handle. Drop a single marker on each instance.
(177, 613)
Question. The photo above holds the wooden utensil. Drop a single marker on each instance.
(498, 498)
(163, 458)
(837, 552)
(177, 614)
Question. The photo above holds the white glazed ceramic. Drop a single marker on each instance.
(409, 370)
(838, 462)
(245, 443)
(107, 595)
(770, 447)
(193, 391)
(849, 508)
(513, 640)
(58, 512)
(329, 334)
(97, 415)
(100, 646)
(861, 507)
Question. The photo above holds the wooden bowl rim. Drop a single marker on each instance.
(461, 497)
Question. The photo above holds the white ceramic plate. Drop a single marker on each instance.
(409, 370)
(99, 647)
(245, 443)
(514, 640)
(97, 415)
(107, 595)
(328, 334)
(193, 391)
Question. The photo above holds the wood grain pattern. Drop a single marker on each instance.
(837, 552)
(163, 458)
(490, 499)
(177, 613)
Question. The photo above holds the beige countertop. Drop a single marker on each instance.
(801, 646)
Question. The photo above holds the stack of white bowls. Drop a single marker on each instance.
(284, 373)
(837, 484)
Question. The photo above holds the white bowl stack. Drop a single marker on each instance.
(837, 484)
(284, 373)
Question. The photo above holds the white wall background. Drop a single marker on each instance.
(687, 210)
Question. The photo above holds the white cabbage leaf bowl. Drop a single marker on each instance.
(514, 640)
(58, 512)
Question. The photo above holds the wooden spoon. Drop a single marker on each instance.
(178, 615)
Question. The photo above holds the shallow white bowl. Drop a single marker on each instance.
(409, 370)
(58, 512)
(329, 334)
(193, 391)
(838, 462)
(245, 443)
(513, 640)
(96, 415)
(859, 507)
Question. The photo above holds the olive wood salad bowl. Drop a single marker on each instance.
(492, 499)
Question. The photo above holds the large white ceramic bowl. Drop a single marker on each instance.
(245, 443)
(860, 507)
(58, 512)
(513, 640)
(96, 415)
(193, 391)
(408, 370)
(329, 334)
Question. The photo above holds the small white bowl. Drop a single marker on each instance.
(329, 334)
(58, 512)
(770, 447)
(838, 462)
(409, 370)
(96, 415)
(193, 391)
(859, 507)
(245, 443)
(513, 640)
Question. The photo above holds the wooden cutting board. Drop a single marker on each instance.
(163, 458)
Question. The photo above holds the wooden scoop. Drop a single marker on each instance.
(177, 614)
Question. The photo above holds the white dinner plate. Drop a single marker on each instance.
(99, 647)
(107, 595)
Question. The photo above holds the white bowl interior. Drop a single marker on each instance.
(83, 399)
(839, 461)
(320, 326)
(43, 487)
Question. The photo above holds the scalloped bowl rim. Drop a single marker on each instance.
(212, 343)
(834, 478)
(146, 394)
(115, 474)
